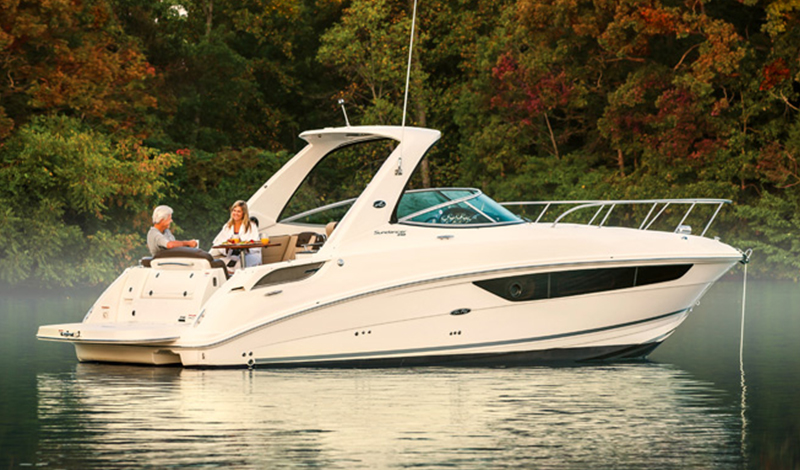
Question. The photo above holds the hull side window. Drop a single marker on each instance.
(291, 274)
(579, 282)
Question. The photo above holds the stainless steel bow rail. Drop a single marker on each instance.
(604, 209)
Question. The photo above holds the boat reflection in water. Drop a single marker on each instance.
(641, 415)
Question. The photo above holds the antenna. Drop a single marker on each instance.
(410, 50)
(399, 170)
(346, 121)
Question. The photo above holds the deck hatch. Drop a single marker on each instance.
(579, 282)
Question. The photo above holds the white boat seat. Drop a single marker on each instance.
(185, 252)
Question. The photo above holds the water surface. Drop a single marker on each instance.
(686, 408)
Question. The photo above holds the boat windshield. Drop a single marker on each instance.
(452, 206)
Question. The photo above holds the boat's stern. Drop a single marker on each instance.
(130, 342)
(144, 311)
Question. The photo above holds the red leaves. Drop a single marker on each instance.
(683, 128)
(658, 20)
(774, 73)
(654, 117)
(506, 65)
(529, 92)
(778, 165)
(704, 149)
(71, 57)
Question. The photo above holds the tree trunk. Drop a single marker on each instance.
(209, 17)
(552, 136)
(209, 10)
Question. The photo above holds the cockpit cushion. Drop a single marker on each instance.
(186, 252)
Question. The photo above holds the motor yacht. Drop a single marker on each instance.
(397, 276)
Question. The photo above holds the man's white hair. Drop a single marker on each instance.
(160, 213)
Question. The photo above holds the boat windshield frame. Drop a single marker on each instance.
(457, 203)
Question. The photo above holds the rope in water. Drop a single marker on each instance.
(743, 405)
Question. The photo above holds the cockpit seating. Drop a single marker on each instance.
(285, 247)
(185, 252)
(329, 228)
(276, 251)
(305, 242)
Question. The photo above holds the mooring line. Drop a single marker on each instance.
(743, 404)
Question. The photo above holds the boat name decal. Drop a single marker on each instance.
(70, 334)
(399, 233)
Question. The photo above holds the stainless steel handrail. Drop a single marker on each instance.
(609, 206)
(317, 210)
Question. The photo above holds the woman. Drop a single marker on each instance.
(240, 228)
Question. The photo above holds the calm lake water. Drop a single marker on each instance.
(690, 406)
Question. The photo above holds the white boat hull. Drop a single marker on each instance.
(439, 321)
(395, 329)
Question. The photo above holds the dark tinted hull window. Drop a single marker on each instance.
(291, 274)
(583, 281)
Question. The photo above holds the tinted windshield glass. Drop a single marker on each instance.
(452, 207)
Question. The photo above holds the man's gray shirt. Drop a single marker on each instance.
(157, 241)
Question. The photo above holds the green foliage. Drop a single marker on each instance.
(325, 184)
(218, 105)
(369, 46)
(773, 226)
(207, 184)
(70, 195)
(536, 99)
(659, 99)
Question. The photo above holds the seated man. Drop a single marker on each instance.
(159, 237)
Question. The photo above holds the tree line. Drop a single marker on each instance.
(110, 107)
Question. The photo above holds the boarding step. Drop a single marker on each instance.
(133, 333)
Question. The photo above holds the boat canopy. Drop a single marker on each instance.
(376, 205)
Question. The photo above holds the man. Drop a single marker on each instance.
(159, 237)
